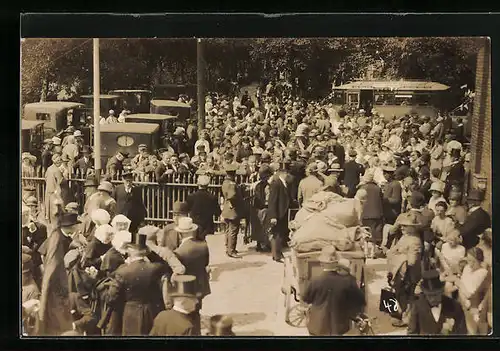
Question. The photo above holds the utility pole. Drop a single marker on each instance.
(201, 84)
(97, 112)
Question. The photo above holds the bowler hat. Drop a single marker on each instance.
(69, 219)
(184, 286)
(353, 153)
(475, 195)
(431, 281)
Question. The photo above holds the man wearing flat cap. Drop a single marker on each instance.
(433, 313)
(114, 166)
(334, 297)
(203, 207)
(233, 209)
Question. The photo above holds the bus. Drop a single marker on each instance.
(392, 98)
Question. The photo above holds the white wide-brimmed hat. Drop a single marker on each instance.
(186, 225)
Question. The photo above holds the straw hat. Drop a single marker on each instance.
(105, 186)
(186, 225)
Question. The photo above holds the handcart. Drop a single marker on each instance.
(300, 269)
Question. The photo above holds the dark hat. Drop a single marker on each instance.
(431, 281)
(476, 195)
(221, 325)
(140, 244)
(265, 171)
(184, 285)
(127, 175)
(417, 199)
(69, 219)
(180, 207)
(305, 154)
(353, 153)
(90, 181)
(229, 154)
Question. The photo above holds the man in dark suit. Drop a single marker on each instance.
(138, 289)
(433, 313)
(334, 296)
(277, 212)
(203, 207)
(372, 214)
(392, 194)
(182, 319)
(84, 164)
(477, 220)
(338, 150)
(352, 172)
(424, 183)
(129, 202)
(456, 174)
(233, 209)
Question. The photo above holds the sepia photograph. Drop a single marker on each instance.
(256, 187)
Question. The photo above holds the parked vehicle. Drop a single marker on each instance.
(166, 122)
(172, 108)
(134, 100)
(32, 136)
(107, 102)
(54, 115)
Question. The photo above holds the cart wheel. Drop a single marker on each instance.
(296, 315)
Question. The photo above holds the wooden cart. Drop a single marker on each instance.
(300, 269)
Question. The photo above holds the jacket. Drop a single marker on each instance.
(174, 323)
(194, 255)
(130, 204)
(233, 208)
(308, 186)
(352, 172)
(279, 200)
(138, 289)
(392, 200)
(422, 321)
(83, 166)
(203, 207)
(335, 299)
(373, 207)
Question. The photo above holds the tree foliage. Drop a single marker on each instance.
(314, 63)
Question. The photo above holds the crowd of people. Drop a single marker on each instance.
(106, 272)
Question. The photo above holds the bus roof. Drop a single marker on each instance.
(394, 85)
(169, 103)
(141, 128)
(151, 116)
(51, 106)
(26, 124)
(102, 96)
(129, 91)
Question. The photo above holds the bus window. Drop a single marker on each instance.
(352, 98)
(43, 117)
(384, 99)
(404, 100)
(338, 97)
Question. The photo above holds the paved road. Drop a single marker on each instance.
(249, 290)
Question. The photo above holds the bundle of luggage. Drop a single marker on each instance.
(328, 219)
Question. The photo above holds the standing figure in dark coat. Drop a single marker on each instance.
(129, 202)
(203, 207)
(372, 214)
(138, 289)
(334, 296)
(277, 212)
(114, 166)
(338, 151)
(392, 195)
(424, 183)
(433, 313)
(55, 316)
(258, 212)
(352, 172)
(233, 210)
(456, 174)
(477, 220)
(182, 319)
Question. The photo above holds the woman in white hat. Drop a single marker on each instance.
(437, 190)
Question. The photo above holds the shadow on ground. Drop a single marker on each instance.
(217, 269)
(239, 320)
